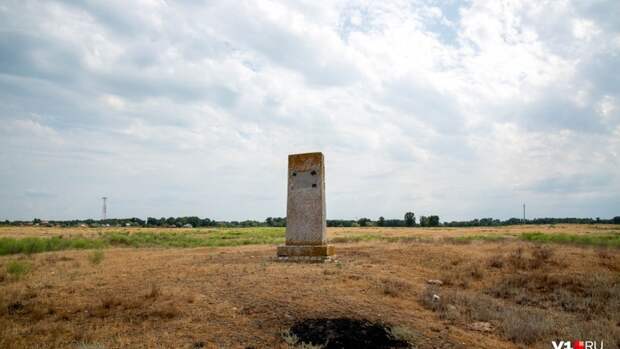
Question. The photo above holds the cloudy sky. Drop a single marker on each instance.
(458, 108)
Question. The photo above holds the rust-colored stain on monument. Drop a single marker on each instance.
(306, 161)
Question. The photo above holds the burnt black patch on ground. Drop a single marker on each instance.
(15, 308)
(344, 333)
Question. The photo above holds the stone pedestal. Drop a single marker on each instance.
(305, 209)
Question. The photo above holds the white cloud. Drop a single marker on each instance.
(178, 108)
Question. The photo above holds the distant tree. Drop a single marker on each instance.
(381, 221)
(341, 223)
(616, 220)
(36, 221)
(269, 221)
(394, 223)
(423, 221)
(280, 221)
(194, 221)
(363, 222)
(152, 221)
(206, 222)
(409, 219)
(433, 221)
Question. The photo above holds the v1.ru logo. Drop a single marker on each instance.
(577, 345)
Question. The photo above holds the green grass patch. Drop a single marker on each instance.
(378, 237)
(470, 238)
(609, 240)
(209, 238)
(17, 269)
(36, 245)
(212, 238)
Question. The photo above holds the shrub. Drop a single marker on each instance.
(394, 288)
(462, 275)
(403, 333)
(517, 260)
(96, 257)
(475, 272)
(524, 326)
(496, 262)
(540, 256)
(431, 299)
(543, 253)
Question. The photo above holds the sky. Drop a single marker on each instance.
(462, 109)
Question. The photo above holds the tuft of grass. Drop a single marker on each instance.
(96, 257)
(165, 311)
(403, 333)
(461, 275)
(86, 345)
(293, 342)
(605, 239)
(154, 291)
(496, 261)
(17, 269)
(394, 287)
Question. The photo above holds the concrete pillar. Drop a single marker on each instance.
(305, 208)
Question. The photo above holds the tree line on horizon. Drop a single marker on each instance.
(409, 220)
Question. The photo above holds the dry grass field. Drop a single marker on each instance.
(507, 287)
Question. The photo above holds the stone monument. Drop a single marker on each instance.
(305, 210)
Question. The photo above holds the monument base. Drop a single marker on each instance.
(305, 259)
(306, 250)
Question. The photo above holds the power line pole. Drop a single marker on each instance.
(523, 213)
(104, 209)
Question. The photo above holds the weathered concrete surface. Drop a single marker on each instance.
(305, 209)
(306, 250)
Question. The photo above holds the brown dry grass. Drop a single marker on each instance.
(240, 297)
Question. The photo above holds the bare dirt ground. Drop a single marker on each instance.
(524, 294)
